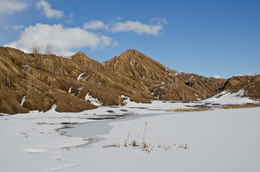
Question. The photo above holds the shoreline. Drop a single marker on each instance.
(42, 137)
(100, 125)
(97, 128)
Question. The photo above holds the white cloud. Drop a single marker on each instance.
(154, 28)
(119, 18)
(18, 27)
(63, 40)
(95, 24)
(249, 74)
(48, 11)
(252, 74)
(217, 76)
(8, 7)
(138, 27)
(158, 21)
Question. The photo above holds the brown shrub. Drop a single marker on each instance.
(188, 109)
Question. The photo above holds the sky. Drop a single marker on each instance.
(213, 38)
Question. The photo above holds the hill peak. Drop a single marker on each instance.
(137, 65)
(82, 59)
(131, 51)
(132, 54)
(79, 54)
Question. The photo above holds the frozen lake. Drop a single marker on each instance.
(216, 140)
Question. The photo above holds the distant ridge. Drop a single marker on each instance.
(38, 81)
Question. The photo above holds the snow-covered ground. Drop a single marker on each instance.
(218, 140)
(221, 140)
(229, 98)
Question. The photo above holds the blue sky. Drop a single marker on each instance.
(206, 37)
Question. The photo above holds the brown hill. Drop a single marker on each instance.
(37, 81)
(45, 80)
(160, 81)
(249, 84)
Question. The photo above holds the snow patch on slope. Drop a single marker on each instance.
(230, 98)
(128, 102)
(69, 91)
(92, 100)
(23, 100)
(53, 109)
(80, 77)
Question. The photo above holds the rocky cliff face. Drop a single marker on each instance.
(37, 82)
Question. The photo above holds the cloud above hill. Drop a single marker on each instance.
(64, 41)
(95, 24)
(48, 11)
(128, 26)
(137, 27)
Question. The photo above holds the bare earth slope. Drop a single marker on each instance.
(37, 82)
(160, 81)
(249, 84)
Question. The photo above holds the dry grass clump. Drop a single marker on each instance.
(184, 146)
(146, 147)
(144, 131)
(249, 105)
(188, 109)
(166, 147)
(126, 144)
(235, 106)
(134, 143)
(149, 147)
(117, 145)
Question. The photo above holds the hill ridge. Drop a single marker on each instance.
(37, 82)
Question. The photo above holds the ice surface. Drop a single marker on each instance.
(218, 140)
